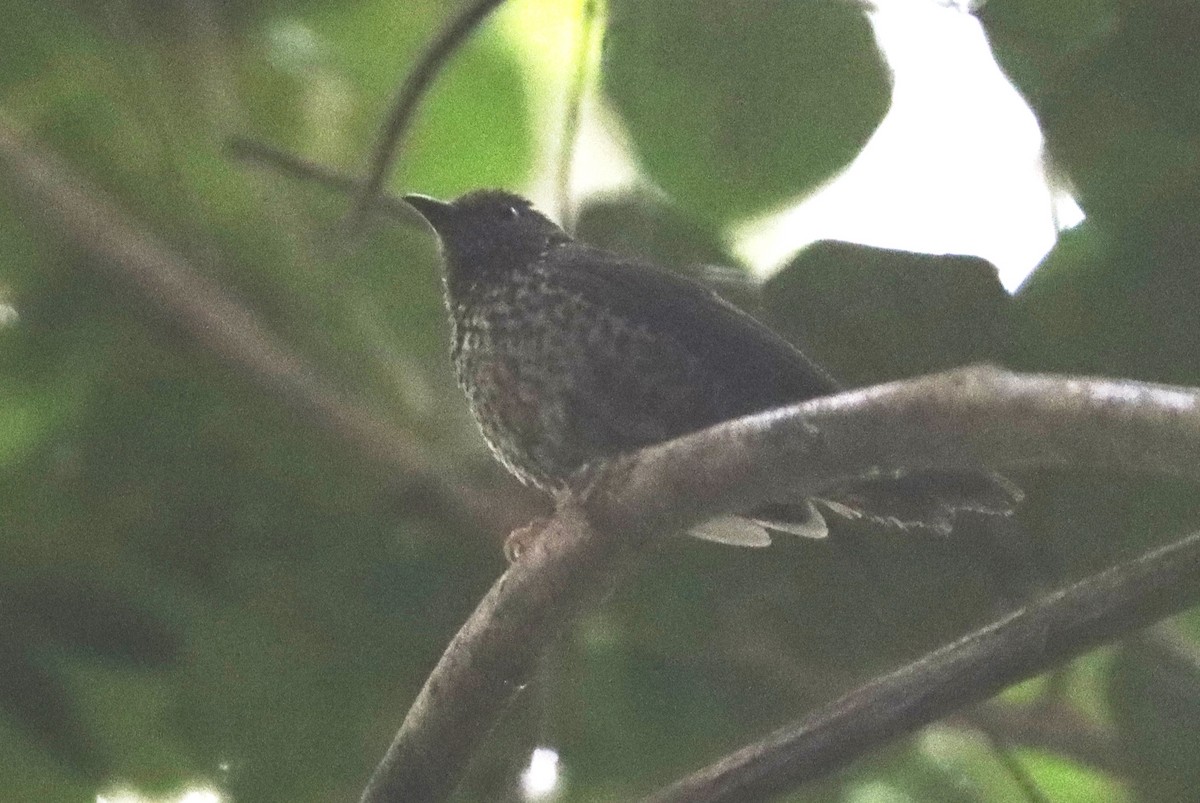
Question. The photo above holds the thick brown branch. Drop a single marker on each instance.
(955, 419)
(204, 311)
(494, 654)
(411, 92)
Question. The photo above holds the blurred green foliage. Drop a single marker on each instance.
(734, 112)
(197, 586)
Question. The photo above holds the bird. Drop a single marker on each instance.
(570, 355)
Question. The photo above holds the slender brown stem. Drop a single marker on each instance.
(495, 654)
(1058, 627)
(412, 91)
(1002, 748)
(576, 93)
(292, 166)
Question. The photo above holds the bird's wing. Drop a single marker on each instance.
(747, 354)
(725, 337)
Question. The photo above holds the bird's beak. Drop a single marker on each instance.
(435, 211)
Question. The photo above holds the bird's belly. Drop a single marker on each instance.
(550, 403)
(518, 402)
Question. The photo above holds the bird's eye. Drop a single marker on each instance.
(512, 213)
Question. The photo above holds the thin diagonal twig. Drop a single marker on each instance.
(1058, 627)
(248, 150)
(416, 85)
(576, 93)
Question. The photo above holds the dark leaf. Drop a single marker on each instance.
(872, 314)
(41, 705)
(1155, 697)
(102, 620)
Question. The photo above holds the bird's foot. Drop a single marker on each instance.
(524, 537)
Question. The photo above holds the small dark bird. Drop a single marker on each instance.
(569, 354)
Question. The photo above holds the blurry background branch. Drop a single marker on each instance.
(1006, 420)
(1056, 628)
(220, 323)
(590, 21)
(567, 565)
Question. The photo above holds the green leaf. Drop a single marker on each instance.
(1155, 698)
(642, 225)
(1065, 781)
(1113, 85)
(1036, 41)
(734, 107)
(473, 130)
(647, 227)
(1117, 304)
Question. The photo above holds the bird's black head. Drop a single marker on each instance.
(487, 234)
